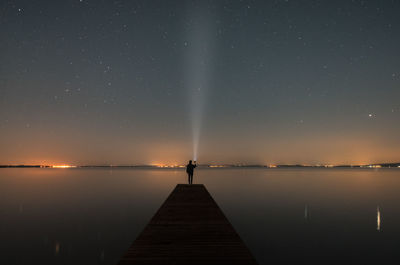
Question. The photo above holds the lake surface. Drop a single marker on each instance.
(285, 216)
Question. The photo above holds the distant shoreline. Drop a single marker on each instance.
(382, 165)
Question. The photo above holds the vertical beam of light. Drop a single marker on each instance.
(198, 57)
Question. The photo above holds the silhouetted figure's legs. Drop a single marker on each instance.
(190, 178)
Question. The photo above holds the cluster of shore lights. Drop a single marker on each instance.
(374, 166)
(169, 166)
(216, 166)
(62, 166)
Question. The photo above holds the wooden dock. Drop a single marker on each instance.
(189, 228)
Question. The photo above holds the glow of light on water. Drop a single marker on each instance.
(306, 212)
(198, 56)
(378, 219)
(57, 248)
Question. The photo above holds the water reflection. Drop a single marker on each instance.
(378, 219)
(45, 240)
(78, 215)
(102, 256)
(306, 212)
(57, 248)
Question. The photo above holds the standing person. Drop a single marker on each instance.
(189, 170)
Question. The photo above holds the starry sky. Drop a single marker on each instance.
(111, 82)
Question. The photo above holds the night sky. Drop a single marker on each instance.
(127, 82)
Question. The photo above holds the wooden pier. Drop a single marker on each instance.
(189, 228)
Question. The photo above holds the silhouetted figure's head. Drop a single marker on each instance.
(190, 161)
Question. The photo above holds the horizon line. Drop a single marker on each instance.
(208, 165)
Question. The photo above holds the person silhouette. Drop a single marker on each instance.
(189, 170)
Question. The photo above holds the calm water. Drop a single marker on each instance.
(311, 216)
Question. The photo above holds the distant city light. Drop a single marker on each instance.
(168, 166)
(374, 166)
(62, 166)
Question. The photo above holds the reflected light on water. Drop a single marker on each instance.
(57, 248)
(378, 219)
(306, 212)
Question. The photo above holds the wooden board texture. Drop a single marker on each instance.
(189, 228)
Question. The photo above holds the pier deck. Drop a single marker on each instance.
(189, 228)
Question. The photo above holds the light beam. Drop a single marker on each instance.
(198, 57)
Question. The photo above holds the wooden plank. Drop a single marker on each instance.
(189, 228)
